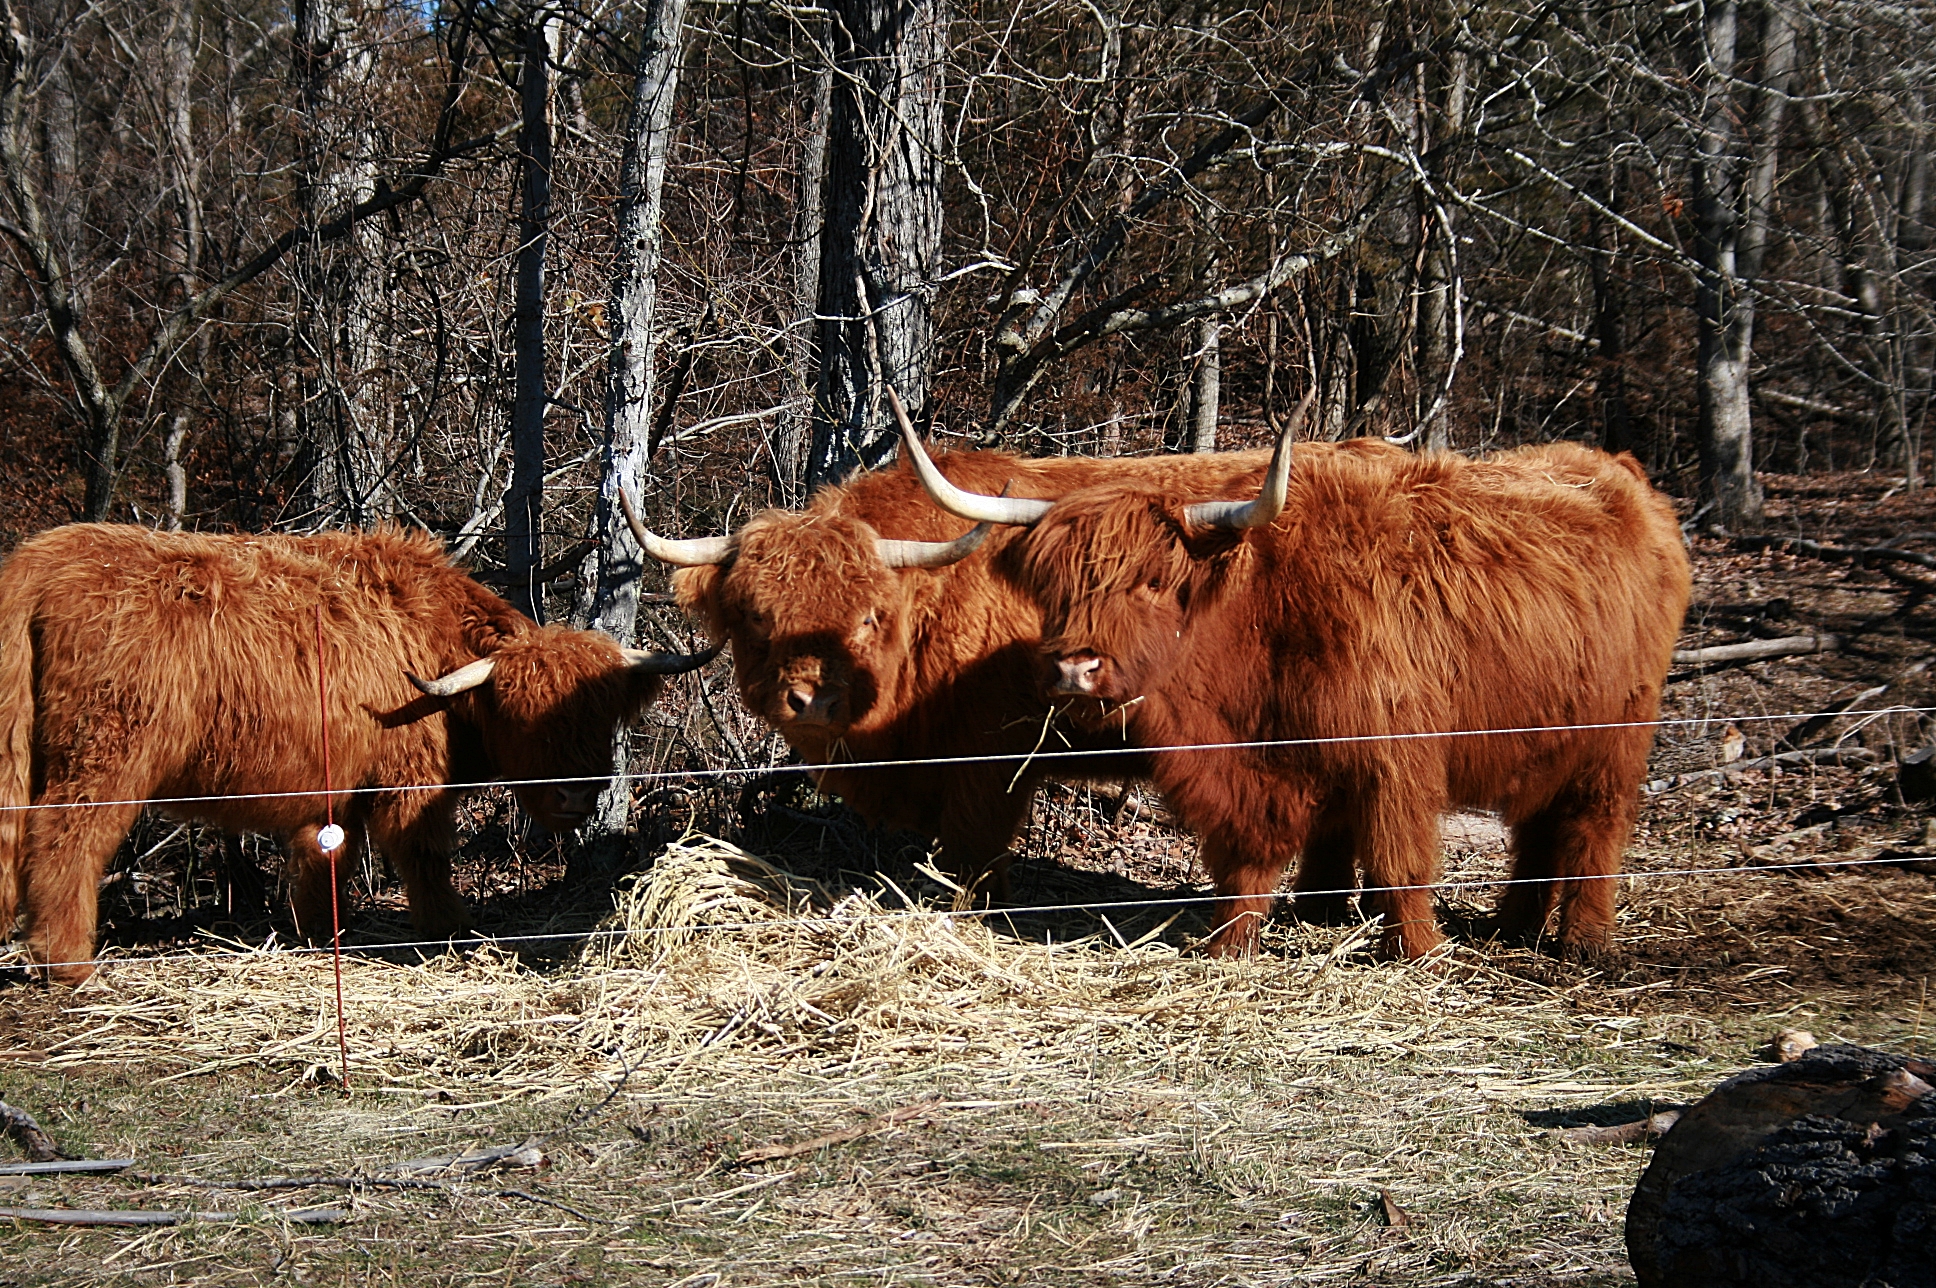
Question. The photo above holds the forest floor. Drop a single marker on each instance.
(799, 1068)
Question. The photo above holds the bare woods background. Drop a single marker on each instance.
(474, 266)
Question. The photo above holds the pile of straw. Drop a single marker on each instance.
(715, 958)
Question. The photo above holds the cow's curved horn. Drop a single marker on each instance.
(465, 677)
(1270, 501)
(1020, 511)
(695, 552)
(650, 663)
(931, 554)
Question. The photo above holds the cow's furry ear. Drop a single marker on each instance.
(486, 631)
(1212, 545)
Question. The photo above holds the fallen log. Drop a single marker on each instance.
(140, 1216)
(1785, 760)
(525, 1155)
(1653, 1125)
(873, 1126)
(1817, 1173)
(1820, 550)
(1759, 650)
(67, 1166)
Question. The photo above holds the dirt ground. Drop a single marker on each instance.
(1059, 1097)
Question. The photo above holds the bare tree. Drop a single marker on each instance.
(156, 327)
(1733, 188)
(524, 502)
(881, 244)
(346, 428)
(630, 410)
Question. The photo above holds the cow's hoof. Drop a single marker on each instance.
(69, 976)
(1324, 910)
(1395, 947)
(1230, 947)
(1597, 951)
(450, 932)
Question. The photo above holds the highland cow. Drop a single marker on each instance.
(138, 665)
(863, 629)
(1374, 610)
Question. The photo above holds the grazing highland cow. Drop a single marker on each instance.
(1372, 596)
(138, 664)
(862, 631)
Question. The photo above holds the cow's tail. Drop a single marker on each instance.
(16, 736)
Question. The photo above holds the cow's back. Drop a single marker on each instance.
(1540, 587)
(186, 665)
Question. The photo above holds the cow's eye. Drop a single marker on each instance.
(1156, 584)
(870, 620)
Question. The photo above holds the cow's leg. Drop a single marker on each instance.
(1571, 849)
(1400, 832)
(1328, 871)
(417, 831)
(1528, 901)
(980, 816)
(1252, 824)
(309, 885)
(1245, 888)
(67, 848)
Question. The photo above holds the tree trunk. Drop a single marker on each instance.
(629, 410)
(881, 245)
(1609, 319)
(1814, 1173)
(1441, 116)
(1732, 215)
(345, 425)
(100, 405)
(185, 162)
(1851, 208)
(524, 500)
(1207, 388)
(1335, 371)
(796, 426)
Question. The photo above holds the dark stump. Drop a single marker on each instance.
(1820, 1173)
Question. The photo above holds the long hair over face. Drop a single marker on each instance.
(1115, 570)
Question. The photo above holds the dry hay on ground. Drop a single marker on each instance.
(775, 1080)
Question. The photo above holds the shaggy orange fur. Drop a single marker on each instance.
(137, 664)
(1395, 594)
(852, 660)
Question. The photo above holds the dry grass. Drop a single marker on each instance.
(996, 1107)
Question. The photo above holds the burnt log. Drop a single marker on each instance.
(1820, 1173)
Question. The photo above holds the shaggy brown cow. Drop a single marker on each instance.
(858, 636)
(137, 664)
(1371, 595)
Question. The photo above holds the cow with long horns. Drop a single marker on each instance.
(862, 630)
(1342, 647)
(139, 665)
